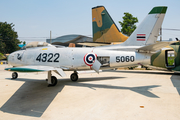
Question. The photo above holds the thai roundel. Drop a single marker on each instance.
(90, 58)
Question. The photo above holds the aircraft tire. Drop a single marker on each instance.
(74, 77)
(14, 75)
(53, 81)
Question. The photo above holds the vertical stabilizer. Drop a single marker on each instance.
(147, 32)
(104, 28)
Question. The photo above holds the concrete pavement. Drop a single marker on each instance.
(123, 94)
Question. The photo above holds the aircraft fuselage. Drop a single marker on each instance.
(76, 58)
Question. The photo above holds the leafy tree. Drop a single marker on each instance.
(24, 43)
(128, 24)
(8, 38)
(2, 56)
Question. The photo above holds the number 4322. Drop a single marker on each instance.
(44, 57)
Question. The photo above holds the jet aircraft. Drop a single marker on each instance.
(167, 57)
(41, 56)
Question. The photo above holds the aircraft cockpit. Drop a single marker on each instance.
(35, 44)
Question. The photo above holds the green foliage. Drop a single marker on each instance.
(128, 24)
(24, 43)
(2, 56)
(8, 38)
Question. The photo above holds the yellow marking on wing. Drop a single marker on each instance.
(44, 48)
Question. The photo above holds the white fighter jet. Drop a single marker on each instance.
(41, 56)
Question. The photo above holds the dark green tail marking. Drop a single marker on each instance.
(158, 10)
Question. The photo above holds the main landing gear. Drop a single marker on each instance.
(74, 76)
(52, 80)
(14, 75)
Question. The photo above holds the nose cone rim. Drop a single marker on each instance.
(8, 59)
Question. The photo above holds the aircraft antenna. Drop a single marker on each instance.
(50, 37)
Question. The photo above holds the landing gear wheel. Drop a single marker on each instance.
(53, 81)
(14, 75)
(74, 77)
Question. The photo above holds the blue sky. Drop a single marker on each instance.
(34, 19)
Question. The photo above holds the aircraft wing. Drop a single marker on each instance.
(37, 69)
(156, 46)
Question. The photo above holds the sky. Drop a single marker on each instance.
(34, 19)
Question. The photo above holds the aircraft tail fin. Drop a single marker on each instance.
(147, 32)
(104, 28)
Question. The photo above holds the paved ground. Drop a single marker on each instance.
(110, 95)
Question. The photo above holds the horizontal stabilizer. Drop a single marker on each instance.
(156, 46)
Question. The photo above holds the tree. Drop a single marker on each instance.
(8, 38)
(2, 56)
(128, 24)
(24, 43)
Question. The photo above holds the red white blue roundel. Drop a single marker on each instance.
(90, 58)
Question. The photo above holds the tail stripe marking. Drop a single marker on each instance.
(141, 37)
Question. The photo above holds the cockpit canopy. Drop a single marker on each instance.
(36, 44)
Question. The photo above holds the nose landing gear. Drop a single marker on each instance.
(14, 75)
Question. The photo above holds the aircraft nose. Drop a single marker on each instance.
(9, 59)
